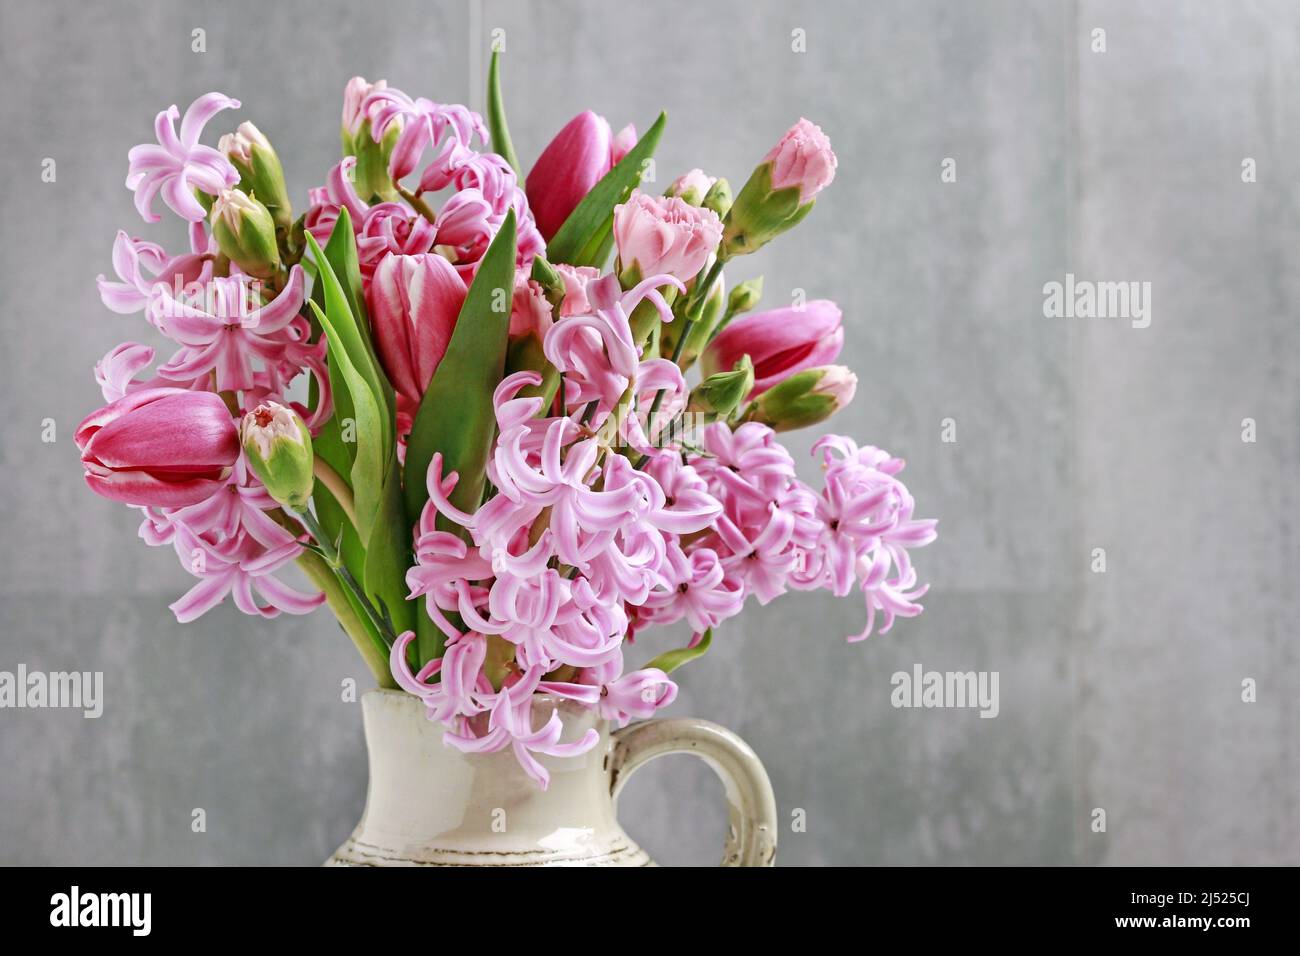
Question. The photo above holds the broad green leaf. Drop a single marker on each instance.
(330, 447)
(351, 339)
(588, 234)
(388, 555)
(341, 253)
(669, 661)
(496, 117)
(456, 416)
(372, 449)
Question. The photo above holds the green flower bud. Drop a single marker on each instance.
(691, 187)
(761, 213)
(722, 392)
(718, 198)
(699, 332)
(803, 399)
(277, 446)
(245, 232)
(370, 177)
(745, 296)
(260, 173)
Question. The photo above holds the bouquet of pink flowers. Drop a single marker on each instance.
(494, 470)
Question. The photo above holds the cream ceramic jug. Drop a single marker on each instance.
(428, 804)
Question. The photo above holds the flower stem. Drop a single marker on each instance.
(418, 204)
(331, 555)
(336, 486)
(323, 576)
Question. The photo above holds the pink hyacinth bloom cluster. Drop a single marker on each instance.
(167, 442)
(447, 146)
(579, 547)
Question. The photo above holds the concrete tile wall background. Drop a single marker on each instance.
(1118, 690)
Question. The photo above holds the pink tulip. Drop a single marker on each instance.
(803, 158)
(414, 302)
(575, 160)
(159, 447)
(665, 235)
(779, 342)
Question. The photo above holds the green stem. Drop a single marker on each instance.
(335, 561)
(336, 486)
(418, 204)
(690, 315)
(322, 575)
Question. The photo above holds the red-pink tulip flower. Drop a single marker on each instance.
(779, 342)
(575, 160)
(159, 447)
(414, 302)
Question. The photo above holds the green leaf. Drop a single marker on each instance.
(669, 661)
(588, 234)
(496, 117)
(369, 466)
(341, 253)
(388, 555)
(456, 416)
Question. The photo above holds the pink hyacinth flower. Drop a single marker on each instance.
(178, 164)
(229, 330)
(636, 695)
(142, 265)
(244, 572)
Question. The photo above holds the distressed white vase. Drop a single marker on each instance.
(428, 804)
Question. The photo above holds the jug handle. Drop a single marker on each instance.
(751, 807)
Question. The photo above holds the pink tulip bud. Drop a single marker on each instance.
(803, 158)
(413, 302)
(159, 447)
(664, 236)
(780, 342)
(575, 160)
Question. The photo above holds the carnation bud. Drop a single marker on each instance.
(722, 392)
(245, 233)
(805, 398)
(692, 187)
(718, 198)
(277, 446)
(260, 173)
(780, 191)
(745, 296)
